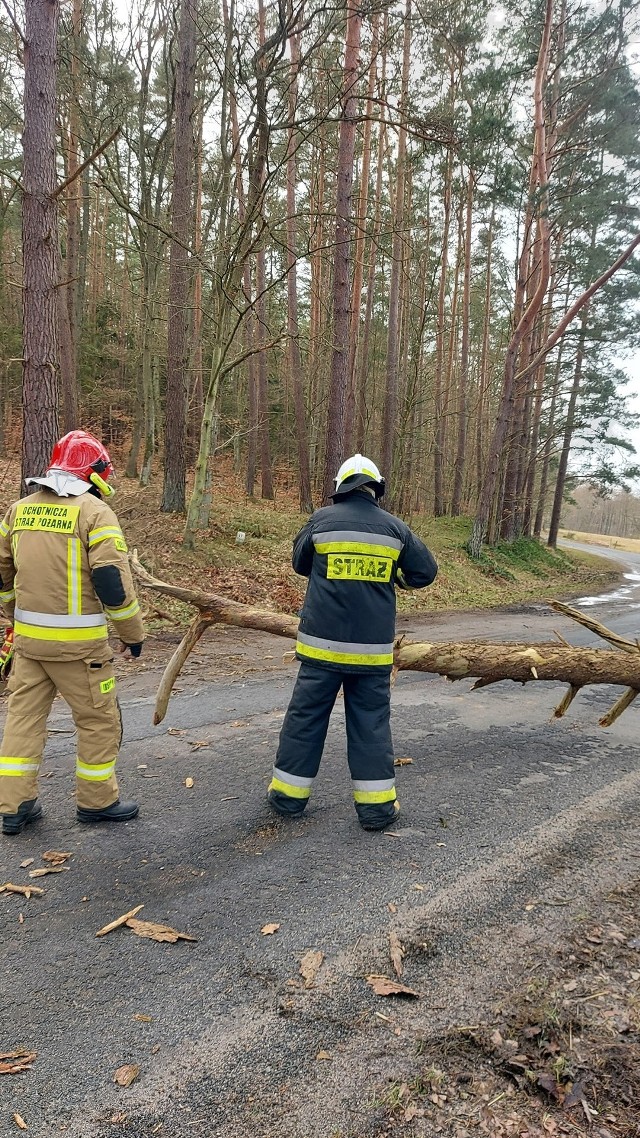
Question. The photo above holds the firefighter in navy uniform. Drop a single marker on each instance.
(354, 554)
(64, 570)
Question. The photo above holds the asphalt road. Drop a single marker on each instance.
(502, 809)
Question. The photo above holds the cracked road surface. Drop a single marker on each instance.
(510, 823)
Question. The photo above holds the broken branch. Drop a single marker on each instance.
(487, 663)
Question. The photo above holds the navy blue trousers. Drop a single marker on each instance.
(369, 745)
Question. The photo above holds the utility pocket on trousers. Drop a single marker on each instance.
(102, 682)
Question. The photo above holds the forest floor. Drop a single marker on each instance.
(555, 1051)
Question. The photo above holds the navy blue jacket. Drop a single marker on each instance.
(353, 552)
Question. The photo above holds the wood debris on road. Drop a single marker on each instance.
(487, 663)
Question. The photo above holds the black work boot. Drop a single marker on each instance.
(373, 821)
(28, 812)
(284, 806)
(117, 812)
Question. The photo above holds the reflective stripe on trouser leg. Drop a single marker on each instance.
(367, 703)
(89, 688)
(25, 733)
(302, 737)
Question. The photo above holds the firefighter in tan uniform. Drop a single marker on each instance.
(63, 571)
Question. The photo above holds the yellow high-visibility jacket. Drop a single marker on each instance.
(63, 571)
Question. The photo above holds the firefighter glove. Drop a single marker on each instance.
(135, 649)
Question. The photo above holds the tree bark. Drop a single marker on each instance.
(439, 507)
(39, 238)
(351, 431)
(563, 464)
(488, 663)
(539, 179)
(175, 430)
(463, 378)
(334, 448)
(295, 359)
(484, 377)
(266, 475)
(390, 409)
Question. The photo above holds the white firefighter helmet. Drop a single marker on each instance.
(358, 471)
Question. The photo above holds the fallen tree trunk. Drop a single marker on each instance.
(487, 663)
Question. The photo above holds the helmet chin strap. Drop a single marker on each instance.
(105, 489)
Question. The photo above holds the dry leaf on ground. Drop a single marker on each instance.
(175, 731)
(24, 890)
(19, 1121)
(268, 930)
(198, 744)
(382, 986)
(396, 952)
(119, 921)
(14, 1062)
(48, 869)
(188, 782)
(412, 1111)
(143, 1018)
(153, 931)
(127, 1074)
(404, 762)
(56, 857)
(309, 965)
(27, 862)
(323, 1055)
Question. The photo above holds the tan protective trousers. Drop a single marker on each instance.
(89, 687)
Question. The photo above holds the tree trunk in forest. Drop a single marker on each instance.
(68, 383)
(71, 404)
(484, 377)
(266, 477)
(334, 448)
(510, 508)
(538, 384)
(439, 504)
(451, 357)
(266, 474)
(175, 430)
(247, 287)
(150, 271)
(295, 359)
(317, 242)
(539, 178)
(351, 431)
(196, 397)
(390, 409)
(558, 497)
(463, 378)
(252, 396)
(39, 238)
(547, 449)
(362, 422)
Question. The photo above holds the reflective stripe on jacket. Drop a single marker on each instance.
(49, 547)
(352, 553)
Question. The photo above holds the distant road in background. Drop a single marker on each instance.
(618, 608)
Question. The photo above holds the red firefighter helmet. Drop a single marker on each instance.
(81, 454)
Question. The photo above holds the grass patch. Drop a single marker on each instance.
(626, 544)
